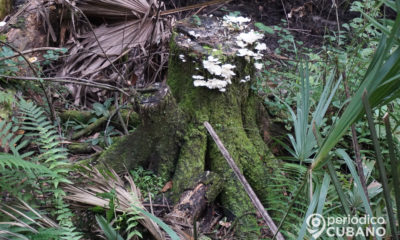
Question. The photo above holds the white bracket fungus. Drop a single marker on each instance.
(182, 57)
(238, 20)
(214, 67)
(248, 44)
(246, 79)
(258, 66)
(250, 37)
(194, 34)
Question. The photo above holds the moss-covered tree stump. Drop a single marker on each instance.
(210, 71)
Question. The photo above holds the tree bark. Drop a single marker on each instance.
(5, 8)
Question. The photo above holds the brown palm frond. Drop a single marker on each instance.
(118, 9)
(126, 197)
(97, 49)
(88, 58)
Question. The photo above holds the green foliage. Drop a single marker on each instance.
(42, 171)
(52, 55)
(107, 228)
(128, 220)
(159, 222)
(365, 53)
(286, 181)
(264, 28)
(147, 181)
(132, 220)
(196, 20)
(9, 66)
(28, 224)
(112, 203)
(6, 100)
(102, 109)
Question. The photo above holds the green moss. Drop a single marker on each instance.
(84, 117)
(215, 184)
(75, 115)
(79, 148)
(191, 162)
(154, 144)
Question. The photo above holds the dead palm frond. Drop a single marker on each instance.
(88, 57)
(118, 9)
(24, 220)
(126, 196)
(137, 25)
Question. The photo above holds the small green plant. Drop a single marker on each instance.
(102, 109)
(196, 20)
(6, 102)
(147, 181)
(264, 28)
(9, 66)
(53, 55)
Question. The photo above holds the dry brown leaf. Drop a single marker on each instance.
(167, 186)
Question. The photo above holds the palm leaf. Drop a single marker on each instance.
(88, 58)
(137, 25)
(126, 198)
(118, 9)
(381, 81)
(108, 229)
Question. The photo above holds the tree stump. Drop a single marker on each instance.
(209, 79)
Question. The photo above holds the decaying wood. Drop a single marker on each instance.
(80, 148)
(254, 199)
(194, 201)
(92, 127)
(190, 206)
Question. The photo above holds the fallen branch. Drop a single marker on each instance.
(253, 197)
(92, 127)
(70, 80)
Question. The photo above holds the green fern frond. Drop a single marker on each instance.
(16, 162)
(6, 97)
(284, 184)
(50, 164)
